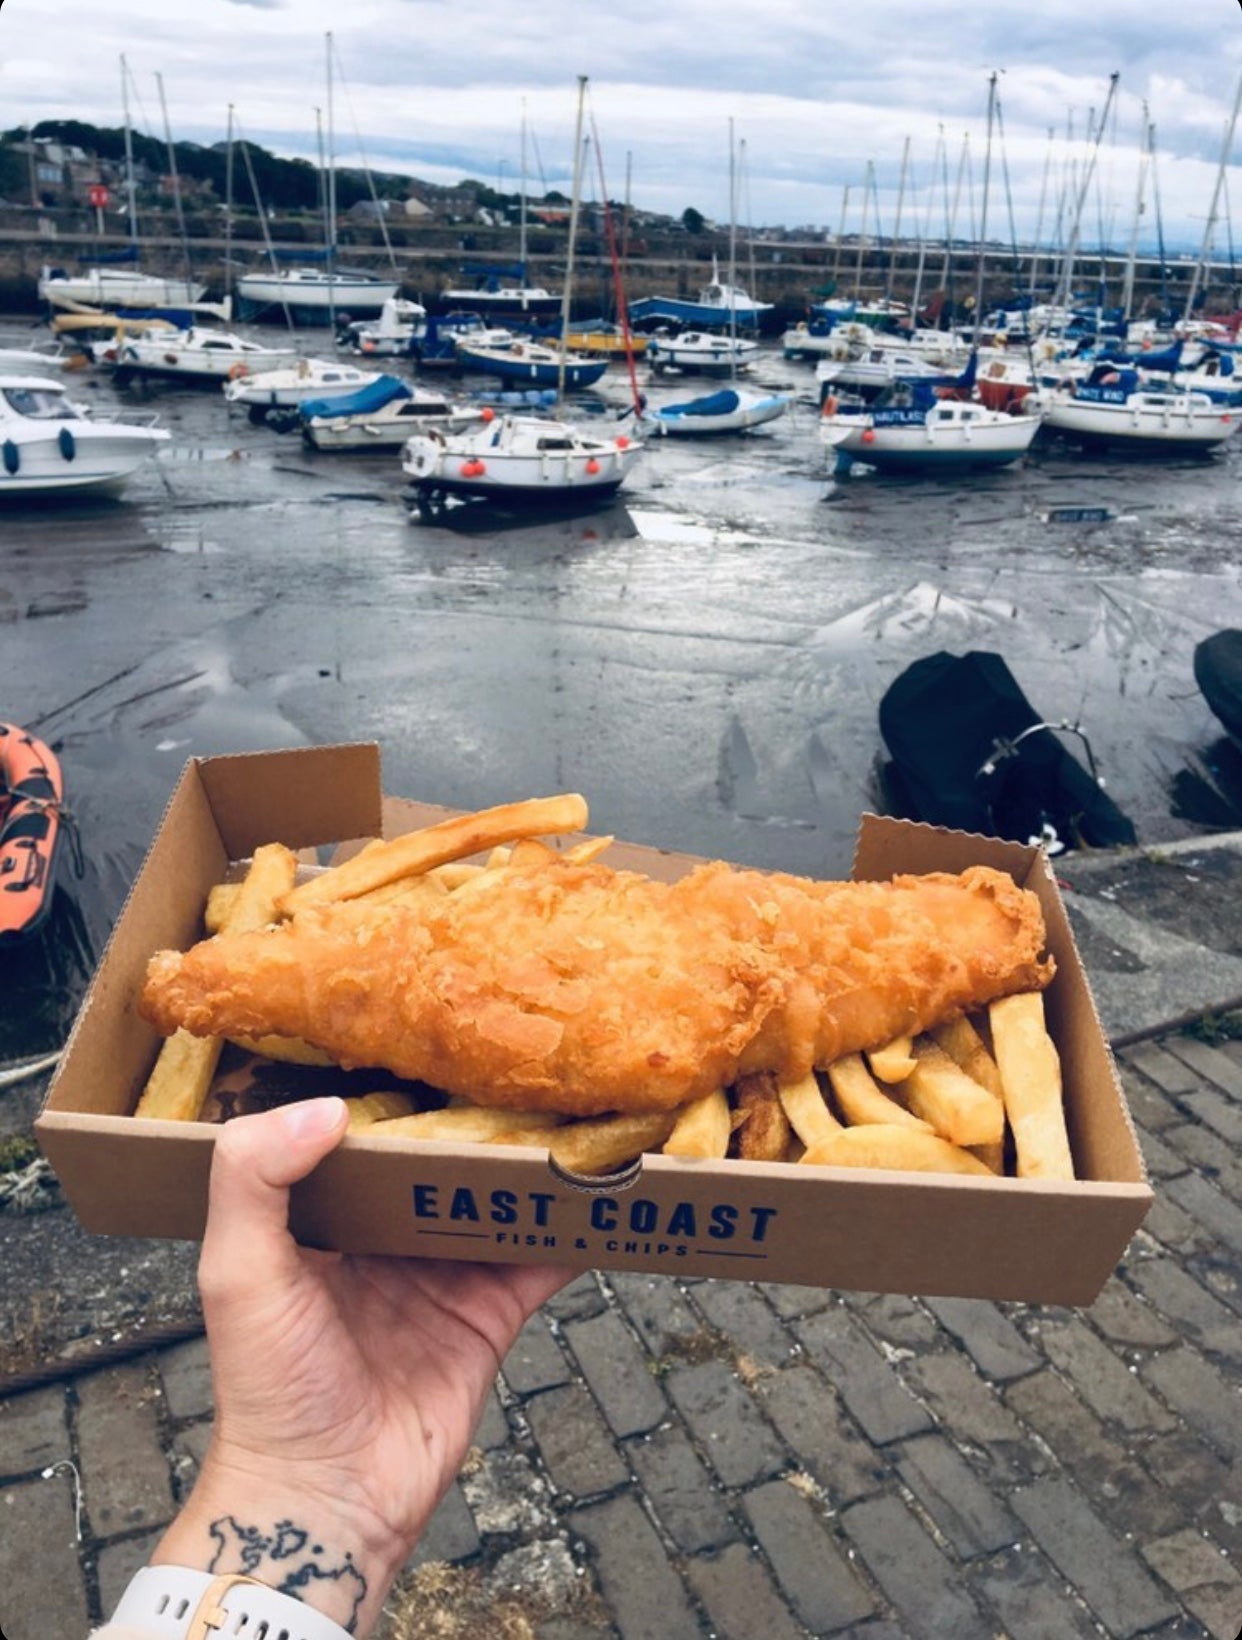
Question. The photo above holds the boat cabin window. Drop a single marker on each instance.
(38, 403)
(556, 444)
(413, 408)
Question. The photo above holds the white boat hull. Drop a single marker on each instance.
(386, 429)
(104, 458)
(700, 354)
(985, 439)
(205, 359)
(517, 459)
(101, 287)
(752, 411)
(1172, 423)
(287, 388)
(313, 293)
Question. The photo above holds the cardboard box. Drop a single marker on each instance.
(866, 1230)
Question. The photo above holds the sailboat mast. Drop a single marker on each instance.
(868, 187)
(1127, 291)
(1065, 285)
(331, 247)
(228, 209)
(176, 182)
(901, 196)
(1210, 229)
(522, 210)
(836, 260)
(732, 281)
(566, 293)
(1039, 220)
(129, 154)
(950, 225)
(983, 211)
(732, 234)
(924, 230)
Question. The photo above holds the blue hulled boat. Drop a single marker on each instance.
(529, 363)
(719, 306)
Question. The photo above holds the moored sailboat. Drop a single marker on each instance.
(286, 386)
(917, 431)
(734, 409)
(532, 364)
(196, 355)
(719, 304)
(523, 458)
(1113, 406)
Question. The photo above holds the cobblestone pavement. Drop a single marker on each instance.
(665, 1459)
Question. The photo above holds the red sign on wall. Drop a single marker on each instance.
(98, 195)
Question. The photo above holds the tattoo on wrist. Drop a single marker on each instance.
(289, 1559)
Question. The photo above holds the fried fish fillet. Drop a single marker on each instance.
(582, 989)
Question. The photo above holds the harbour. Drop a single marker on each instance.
(702, 656)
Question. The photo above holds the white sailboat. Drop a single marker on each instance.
(317, 294)
(522, 458)
(495, 297)
(1115, 406)
(113, 285)
(285, 386)
(921, 426)
(926, 434)
(734, 409)
(194, 355)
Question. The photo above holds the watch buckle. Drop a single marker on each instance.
(209, 1615)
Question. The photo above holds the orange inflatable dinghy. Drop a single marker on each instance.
(31, 796)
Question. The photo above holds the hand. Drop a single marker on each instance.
(347, 1389)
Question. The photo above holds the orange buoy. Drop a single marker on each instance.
(237, 371)
(623, 443)
(828, 407)
(31, 798)
(868, 435)
(592, 465)
(487, 413)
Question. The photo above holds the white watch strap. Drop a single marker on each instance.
(175, 1603)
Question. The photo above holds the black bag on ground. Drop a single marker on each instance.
(1218, 672)
(969, 751)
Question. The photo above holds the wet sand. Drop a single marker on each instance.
(703, 658)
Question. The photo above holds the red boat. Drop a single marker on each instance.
(31, 798)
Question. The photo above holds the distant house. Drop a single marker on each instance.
(60, 172)
(370, 210)
(417, 209)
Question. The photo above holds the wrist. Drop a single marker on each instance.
(180, 1603)
(275, 1524)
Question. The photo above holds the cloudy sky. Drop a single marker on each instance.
(821, 97)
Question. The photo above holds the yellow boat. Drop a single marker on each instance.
(96, 319)
(607, 341)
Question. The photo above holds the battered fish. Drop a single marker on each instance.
(581, 989)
